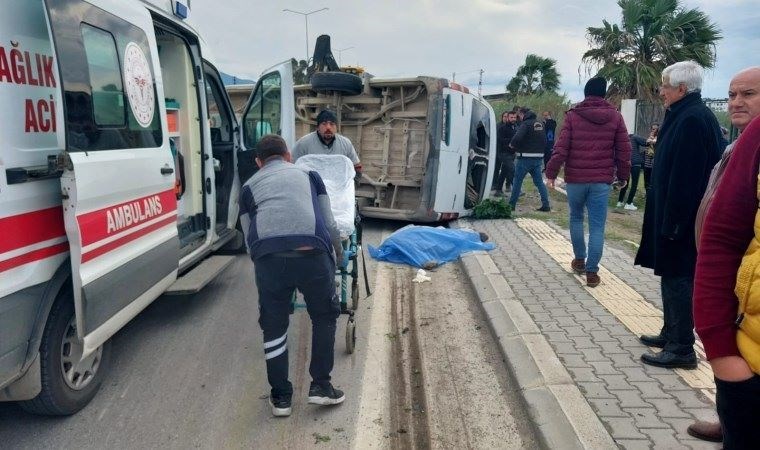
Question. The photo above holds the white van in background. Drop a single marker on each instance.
(118, 174)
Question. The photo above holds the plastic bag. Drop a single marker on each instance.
(427, 247)
(337, 172)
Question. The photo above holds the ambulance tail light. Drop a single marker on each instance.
(449, 216)
(458, 87)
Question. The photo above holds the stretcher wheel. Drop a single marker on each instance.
(350, 336)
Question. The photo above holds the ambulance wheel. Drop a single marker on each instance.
(350, 336)
(344, 83)
(68, 384)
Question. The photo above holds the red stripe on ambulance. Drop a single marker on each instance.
(31, 228)
(33, 256)
(97, 225)
(94, 253)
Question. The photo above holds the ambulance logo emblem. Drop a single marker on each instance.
(139, 84)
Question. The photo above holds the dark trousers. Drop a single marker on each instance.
(647, 178)
(633, 183)
(277, 277)
(548, 154)
(738, 404)
(505, 171)
(678, 327)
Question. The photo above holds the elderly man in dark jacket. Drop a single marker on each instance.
(529, 142)
(593, 145)
(688, 146)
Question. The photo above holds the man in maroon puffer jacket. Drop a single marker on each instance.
(595, 149)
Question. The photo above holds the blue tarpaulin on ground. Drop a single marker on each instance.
(426, 247)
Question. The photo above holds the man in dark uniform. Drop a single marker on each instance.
(291, 234)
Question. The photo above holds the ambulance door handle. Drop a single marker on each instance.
(166, 170)
(460, 164)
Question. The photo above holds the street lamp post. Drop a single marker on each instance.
(340, 51)
(306, 19)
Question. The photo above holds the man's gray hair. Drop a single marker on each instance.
(687, 72)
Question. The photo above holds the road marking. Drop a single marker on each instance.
(374, 403)
(627, 305)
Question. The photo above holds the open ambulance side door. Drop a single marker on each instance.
(270, 110)
(118, 172)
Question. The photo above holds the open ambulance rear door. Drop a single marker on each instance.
(117, 185)
(270, 110)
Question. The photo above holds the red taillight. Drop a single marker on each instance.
(449, 216)
(458, 87)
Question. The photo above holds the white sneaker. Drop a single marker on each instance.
(630, 207)
(619, 205)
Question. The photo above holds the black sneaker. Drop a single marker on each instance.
(544, 209)
(280, 406)
(325, 395)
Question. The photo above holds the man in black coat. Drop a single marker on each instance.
(505, 156)
(688, 146)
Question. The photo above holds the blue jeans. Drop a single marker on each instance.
(532, 166)
(591, 196)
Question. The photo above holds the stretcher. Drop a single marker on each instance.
(337, 173)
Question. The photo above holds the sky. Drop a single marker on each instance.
(398, 38)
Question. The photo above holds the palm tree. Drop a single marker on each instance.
(535, 76)
(653, 34)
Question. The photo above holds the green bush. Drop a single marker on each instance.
(492, 209)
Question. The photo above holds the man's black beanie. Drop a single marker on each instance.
(596, 87)
(326, 116)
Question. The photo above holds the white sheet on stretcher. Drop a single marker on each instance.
(337, 172)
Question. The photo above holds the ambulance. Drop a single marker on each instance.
(120, 166)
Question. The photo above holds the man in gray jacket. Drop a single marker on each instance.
(326, 141)
(291, 234)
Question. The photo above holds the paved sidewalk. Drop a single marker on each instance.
(594, 334)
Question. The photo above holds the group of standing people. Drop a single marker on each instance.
(524, 144)
(701, 229)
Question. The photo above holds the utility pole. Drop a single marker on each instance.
(480, 84)
(340, 52)
(306, 20)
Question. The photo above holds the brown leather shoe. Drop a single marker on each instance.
(707, 431)
(592, 279)
(578, 266)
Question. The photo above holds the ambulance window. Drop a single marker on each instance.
(220, 123)
(108, 78)
(105, 77)
(263, 115)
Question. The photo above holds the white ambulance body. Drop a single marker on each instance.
(118, 174)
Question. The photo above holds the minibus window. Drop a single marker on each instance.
(105, 77)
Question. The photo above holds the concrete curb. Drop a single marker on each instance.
(561, 416)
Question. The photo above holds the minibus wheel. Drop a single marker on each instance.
(68, 384)
(344, 83)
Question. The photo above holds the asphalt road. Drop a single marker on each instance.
(189, 372)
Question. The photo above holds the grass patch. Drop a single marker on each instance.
(623, 227)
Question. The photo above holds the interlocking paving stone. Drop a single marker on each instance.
(642, 406)
(664, 438)
(624, 428)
